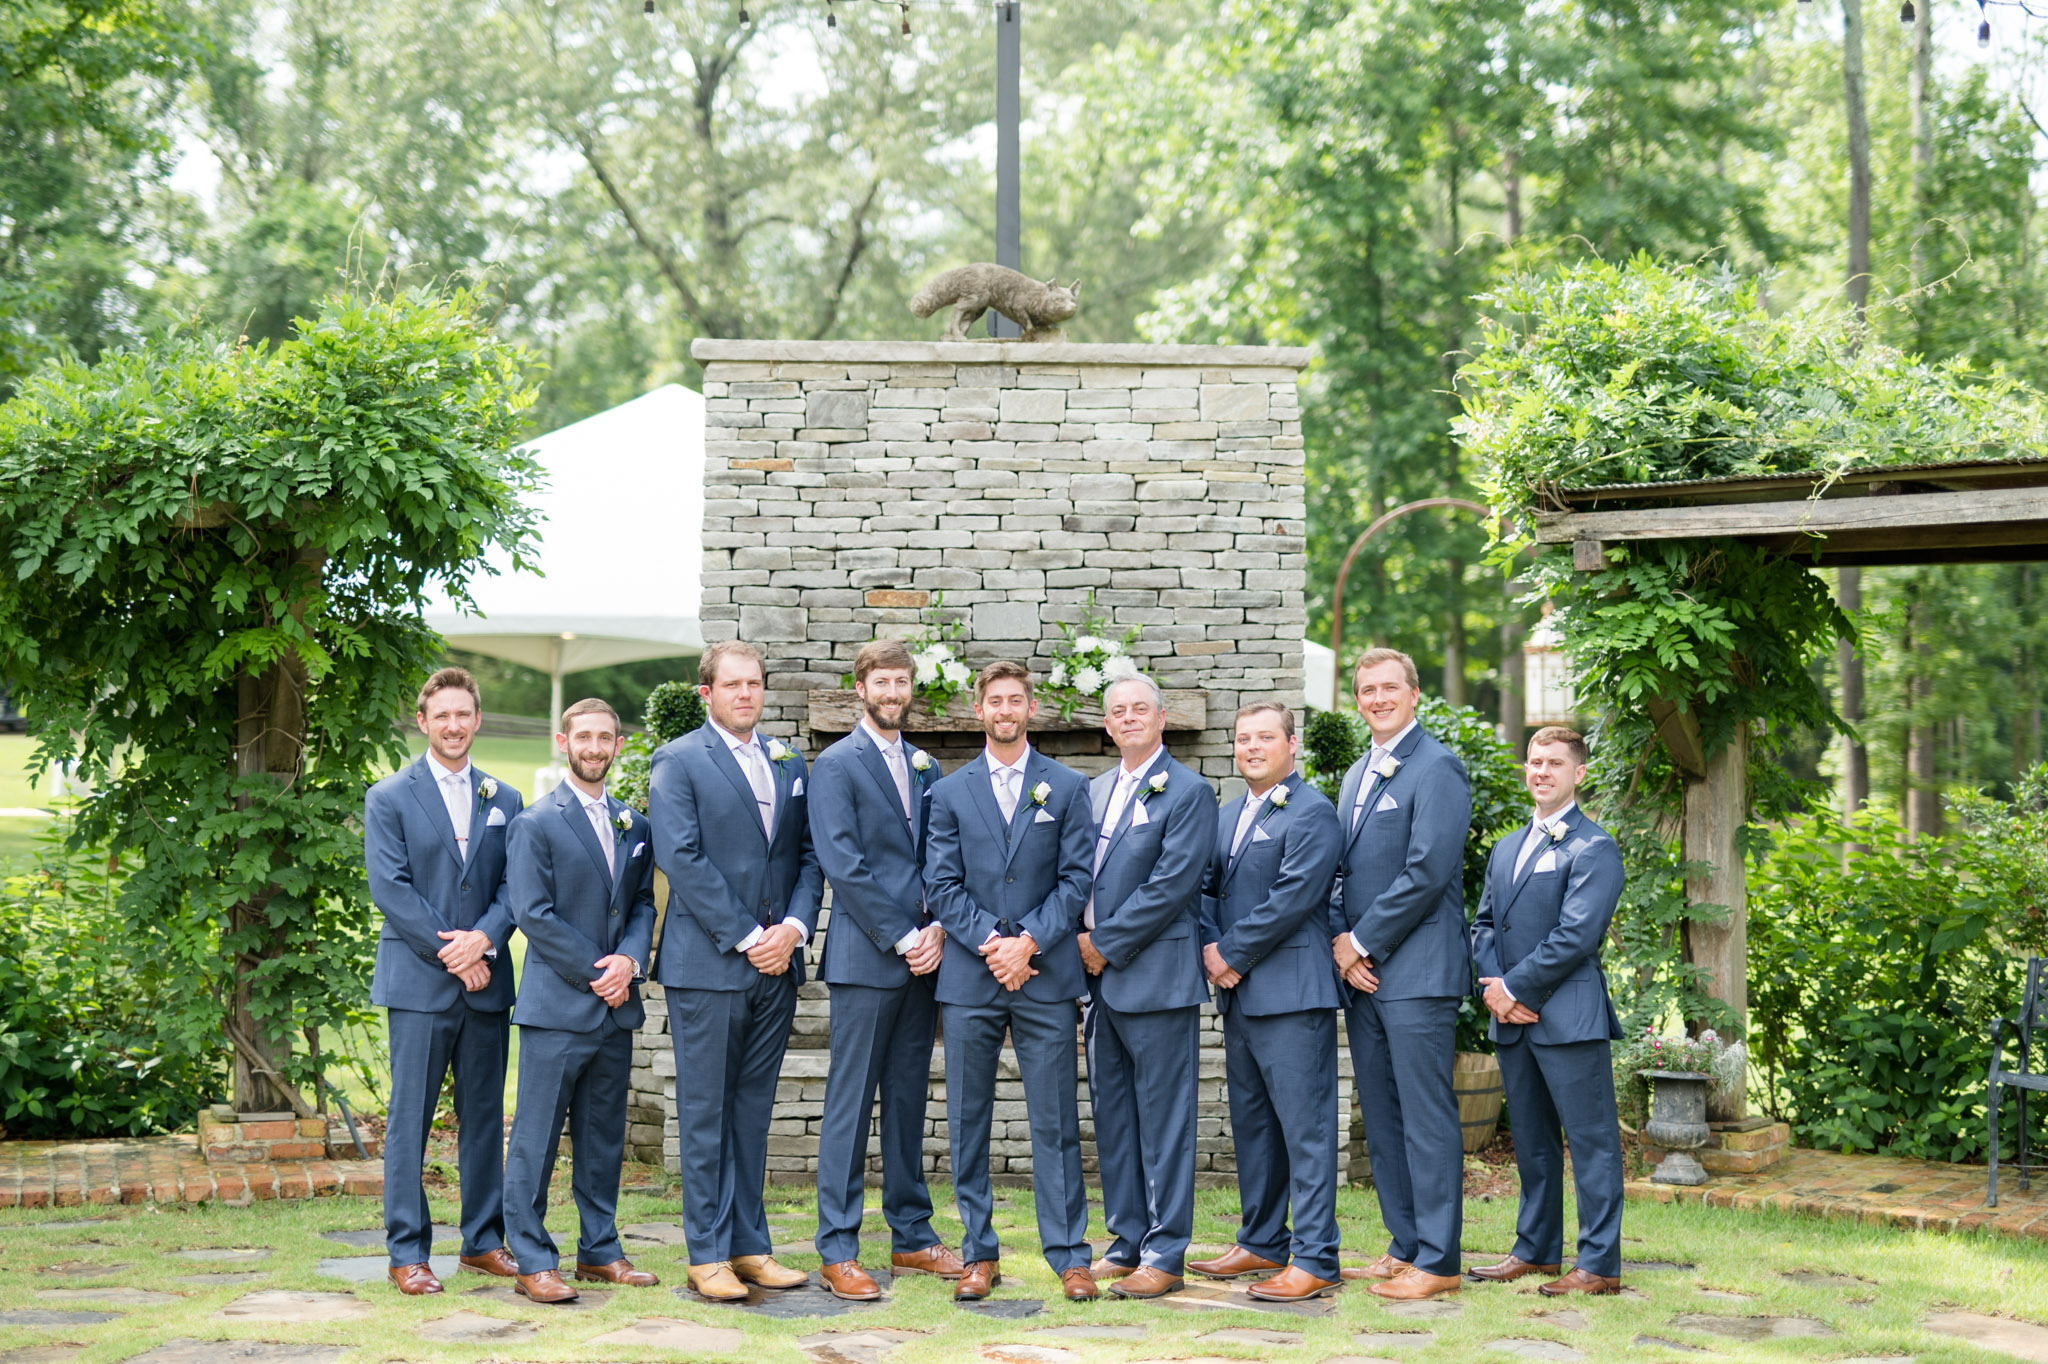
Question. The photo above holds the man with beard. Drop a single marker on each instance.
(434, 845)
(582, 891)
(869, 804)
(732, 835)
(1007, 872)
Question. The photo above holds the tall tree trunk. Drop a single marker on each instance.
(1514, 681)
(1920, 95)
(1923, 792)
(1454, 635)
(1849, 676)
(1858, 287)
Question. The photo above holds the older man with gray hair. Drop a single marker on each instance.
(1155, 833)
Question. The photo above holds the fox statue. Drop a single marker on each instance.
(971, 290)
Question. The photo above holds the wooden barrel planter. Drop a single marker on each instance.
(1475, 1079)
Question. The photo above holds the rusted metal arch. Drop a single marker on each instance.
(1344, 569)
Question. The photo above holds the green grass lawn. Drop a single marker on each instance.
(1887, 1283)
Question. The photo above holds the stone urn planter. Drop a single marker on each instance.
(1678, 1123)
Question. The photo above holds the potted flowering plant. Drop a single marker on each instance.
(1087, 660)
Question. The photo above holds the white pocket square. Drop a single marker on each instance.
(497, 817)
(638, 848)
(796, 788)
(1139, 817)
(1386, 803)
(1042, 817)
(1260, 835)
(1547, 862)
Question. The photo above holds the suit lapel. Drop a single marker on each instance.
(1378, 789)
(976, 776)
(613, 808)
(1529, 867)
(571, 806)
(427, 791)
(780, 774)
(1026, 812)
(723, 760)
(1123, 819)
(878, 771)
(1268, 811)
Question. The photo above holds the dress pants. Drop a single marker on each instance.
(881, 1041)
(1401, 1052)
(585, 1077)
(1043, 1034)
(1142, 1069)
(728, 1046)
(1282, 1073)
(1568, 1086)
(423, 1047)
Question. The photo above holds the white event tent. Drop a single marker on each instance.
(620, 544)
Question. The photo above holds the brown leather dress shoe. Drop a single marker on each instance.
(414, 1280)
(1079, 1284)
(717, 1282)
(1386, 1267)
(976, 1279)
(1106, 1268)
(1507, 1271)
(620, 1272)
(1580, 1281)
(1148, 1282)
(498, 1261)
(763, 1270)
(1232, 1264)
(939, 1260)
(1414, 1285)
(846, 1279)
(1293, 1284)
(546, 1286)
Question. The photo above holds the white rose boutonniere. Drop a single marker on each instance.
(1276, 799)
(1556, 829)
(1040, 792)
(487, 790)
(1389, 765)
(1152, 787)
(623, 822)
(779, 751)
(920, 761)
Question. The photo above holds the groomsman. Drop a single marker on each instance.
(733, 837)
(1155, 830)
(1551, 889)
(1400, 945)
(869, 806)
(582, 891)
(434, 846)
(1263, 929)
(1006, 871)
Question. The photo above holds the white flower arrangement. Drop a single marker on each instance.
(1088, 681)
(487, 790)
(1087, 661)
(1040, 792)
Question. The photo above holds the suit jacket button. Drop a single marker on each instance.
(465, 885)
(1010, 878)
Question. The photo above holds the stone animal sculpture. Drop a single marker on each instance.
(971, 290)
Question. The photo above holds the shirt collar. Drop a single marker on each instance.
(1538, 821)
(733, 741)
(590, 802)
(1017, 767)
(1132, 774)
(1390, 745)
(875, 736)
(443, 774)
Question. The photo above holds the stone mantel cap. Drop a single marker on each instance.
(997, 353)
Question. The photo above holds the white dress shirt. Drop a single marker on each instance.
(747, 753)
(598, 810)
(1119, 796)
(1249, 816)
(458, 795)
(1365, 789)
(899, 768)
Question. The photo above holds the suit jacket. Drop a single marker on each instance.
(1400, 877)
(726, 876)
(1541, 932)
(574, 910)
(1030, 876)
(872, 856)
(422, 886)
(1148, 889)
(1267, 908)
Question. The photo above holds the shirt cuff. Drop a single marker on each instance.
(908, 941)
(746, 944)
(1509, 993)
(1358, 946)
(803, 934)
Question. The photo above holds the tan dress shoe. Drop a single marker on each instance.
(846, 1279)
(498, 1262)
(1293, 1284)
(717, 1282)
(620, 1272)
(1233, 1264)
(1106, 1268)
(1414, 1285)
(1580, 1281)
(762, 1270)
(939, 1260)
(1147, 1282)
(1507, 1271)
(1386, 1267)
(976, 1279)
(414, 1280)
(544, 1286)
(1079, 1285)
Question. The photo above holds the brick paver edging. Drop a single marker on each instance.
(1885, 1191)
(40, 1174)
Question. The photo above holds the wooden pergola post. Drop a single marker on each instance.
(1716, 808)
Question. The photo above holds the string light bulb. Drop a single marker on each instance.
(831, 15)
(745, 19)
(1906, 12)
(906, 18)
(647, 6)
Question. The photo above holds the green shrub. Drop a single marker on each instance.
(673, 710)
(82, 1052)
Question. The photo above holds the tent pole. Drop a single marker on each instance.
(555, 694)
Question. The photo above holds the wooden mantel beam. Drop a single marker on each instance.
(1919, 515)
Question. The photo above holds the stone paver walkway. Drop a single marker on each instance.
(1877, 1190)
(39, 1174)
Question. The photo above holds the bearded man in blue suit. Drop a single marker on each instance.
(1155, 829)
(732, 834)
(1551, 889)
(1399, 941)
(582, 889)
(434, 846)
(1006, 871)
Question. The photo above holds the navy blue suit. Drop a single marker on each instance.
(1400, 893)
(729, 1023)
(1031, 875)
(883, 1017)
(1266, 909)
(423, 886)
(1540, 933)
(575, 1051)
(1143, 1027)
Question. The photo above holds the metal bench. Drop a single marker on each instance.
(2033, 1014)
